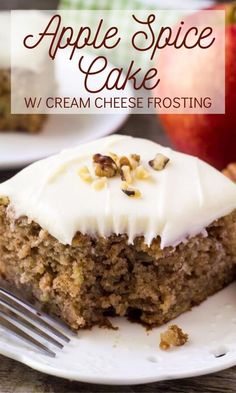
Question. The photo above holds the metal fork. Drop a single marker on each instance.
(22, 319)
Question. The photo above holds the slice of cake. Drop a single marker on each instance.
(35, 77)
(119, 226)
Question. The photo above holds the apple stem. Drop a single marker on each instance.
(231, 14)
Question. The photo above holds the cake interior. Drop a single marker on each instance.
(96, 278)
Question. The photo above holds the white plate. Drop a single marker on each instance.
(61, 131)
(131, 355)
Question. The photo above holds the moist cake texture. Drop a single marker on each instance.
(77, 232)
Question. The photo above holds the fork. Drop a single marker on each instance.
(22, 319)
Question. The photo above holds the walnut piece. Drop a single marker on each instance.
(84, 174)
(159, 162)
(125, 173)
(134, 160)
(124, 161)
(135, 157)
(114, 157)
(230, 171)
(104, 166)
(130, 192)
(141, 173)
(173, 336)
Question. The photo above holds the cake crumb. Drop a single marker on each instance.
(173, 336)
(4, 201)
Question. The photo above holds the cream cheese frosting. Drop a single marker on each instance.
(177, 202)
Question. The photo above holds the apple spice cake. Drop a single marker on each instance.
(20, 77)
(120, 226)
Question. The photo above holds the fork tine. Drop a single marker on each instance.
(8, 310)
(59, 323)
(28, 310)
(23, 335)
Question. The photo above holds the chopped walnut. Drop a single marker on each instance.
(115, 158)
(141, 173)
(84, 174)
(230, 171)
(104, 166)
(173, 336)
(99, 184)
(125, 173)
(129, 168)
(124, 161)
(159, 162)
(130, 192)
(134, 160)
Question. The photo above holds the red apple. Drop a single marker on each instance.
(211, 137)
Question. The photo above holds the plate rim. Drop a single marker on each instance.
(213, 364)
(105, 130)
(72, 376)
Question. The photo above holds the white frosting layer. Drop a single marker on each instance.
(13, 29)
(177, 202)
